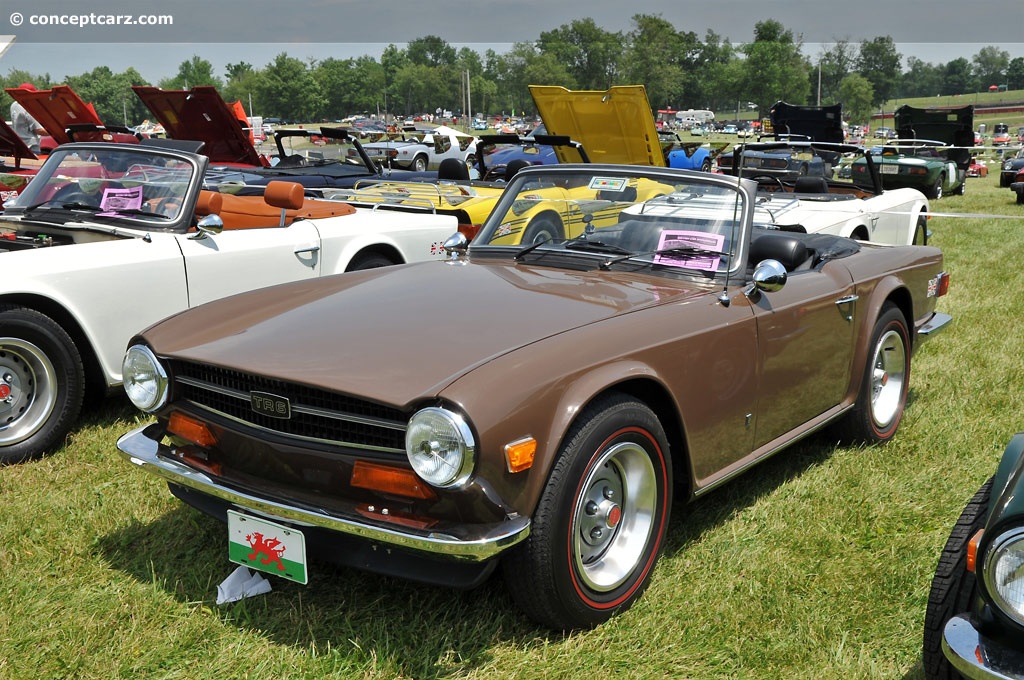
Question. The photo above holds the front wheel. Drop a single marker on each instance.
(953, 587)
(42, 383)
(885, 382)
(601, 520)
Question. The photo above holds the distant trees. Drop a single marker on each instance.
(679, 68)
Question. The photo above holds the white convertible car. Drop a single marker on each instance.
(109, 238)
(822, 187)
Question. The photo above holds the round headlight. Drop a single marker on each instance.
(1004, 573)
(440, 447)
(1008, 165)
(145, 380)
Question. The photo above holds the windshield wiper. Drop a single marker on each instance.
(530, 248)
(134, 211)
(597, 246)
(674, 250)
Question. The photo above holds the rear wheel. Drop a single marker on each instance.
(42, 383)
(369, 261)
(419, 164)
(601, 520)
(883, 390)
(543, 228)
(921, 231)
(936, 191)
(953, 587)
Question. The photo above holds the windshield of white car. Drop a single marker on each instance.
(609, 214)
(115, 182)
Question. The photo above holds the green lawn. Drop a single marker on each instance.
(814, 565)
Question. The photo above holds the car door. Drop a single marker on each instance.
(805, 348)
(238, 260)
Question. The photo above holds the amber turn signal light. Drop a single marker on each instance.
(972, 550)
(191, 429)
(519, 454)
(390, 480)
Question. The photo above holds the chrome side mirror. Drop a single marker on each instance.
(211, 225)
(456, 245)
(769, 276)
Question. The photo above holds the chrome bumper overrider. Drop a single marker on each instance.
(935, 324)
(148, 453)
(977, 657)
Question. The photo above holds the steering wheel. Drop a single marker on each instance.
(494, 173)
(769, 182)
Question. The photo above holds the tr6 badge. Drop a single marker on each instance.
(270, 405)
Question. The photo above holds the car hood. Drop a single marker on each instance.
(56, 109)
(12, 145)
(614, 125)
(400, 334)
(200, 114)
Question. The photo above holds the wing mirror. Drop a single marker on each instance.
(455, 245)
(769, 276)
(210, 225)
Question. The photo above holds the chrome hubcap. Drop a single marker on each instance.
(614, 516)
(887, 378)
(28, 390)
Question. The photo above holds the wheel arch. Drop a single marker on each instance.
(95, 382)
(384, 249)
(645, 389)
(888, 291)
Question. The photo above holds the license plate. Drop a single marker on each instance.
(267, 546)
(890, 169)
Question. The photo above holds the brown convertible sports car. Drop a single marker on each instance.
(614, 335)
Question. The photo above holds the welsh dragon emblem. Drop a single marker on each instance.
(265, 546)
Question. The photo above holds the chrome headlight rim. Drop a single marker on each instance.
(463, 469)
(998, 549)
(161, 390)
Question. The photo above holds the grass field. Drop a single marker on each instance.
(816, 564)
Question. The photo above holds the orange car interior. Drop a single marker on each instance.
(281, 204)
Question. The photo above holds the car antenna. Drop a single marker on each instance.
(737, 165)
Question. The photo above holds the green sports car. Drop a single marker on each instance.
(929, 166)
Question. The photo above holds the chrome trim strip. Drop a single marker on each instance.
(142, 450)
(978, 657)
(297, 437)
(296, 408)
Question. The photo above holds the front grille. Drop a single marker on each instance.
(316, 415)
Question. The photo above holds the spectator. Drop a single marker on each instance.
(25, 125)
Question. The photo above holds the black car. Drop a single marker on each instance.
(1011, 166)
(974, 624)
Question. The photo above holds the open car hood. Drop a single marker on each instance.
(12, 146)
(200, 114)
(950, 126)
(817, 123)
(56, 109)
(614, 125)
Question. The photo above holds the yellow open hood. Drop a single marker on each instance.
(614, 125)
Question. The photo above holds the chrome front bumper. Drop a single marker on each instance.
(143, 448)
(977, 657)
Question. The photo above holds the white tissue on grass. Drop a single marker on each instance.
(240, 584)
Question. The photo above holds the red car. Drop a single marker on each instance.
(66, 118)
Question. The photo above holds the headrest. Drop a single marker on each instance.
(286, 195)
(209, 203)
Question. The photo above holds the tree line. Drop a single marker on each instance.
(679, 68)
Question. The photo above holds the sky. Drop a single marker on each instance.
(71, 37)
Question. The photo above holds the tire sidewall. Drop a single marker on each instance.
(54, 342)
(890, 320)
(625, 425)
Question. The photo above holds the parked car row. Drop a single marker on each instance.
(259, 323)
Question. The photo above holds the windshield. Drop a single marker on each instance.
(112, 181)
(692, 222)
